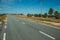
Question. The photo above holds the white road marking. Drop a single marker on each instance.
(17, 20)
(54, 27)
(0, 22)
(50, 26)
(47, 25)
(47, 35)
(4, 36)
(5, 26)
(23, 22)
(5, 22)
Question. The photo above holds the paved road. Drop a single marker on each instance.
(19, 29)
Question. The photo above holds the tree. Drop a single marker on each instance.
(29, 15)
(35, 15)
(45, 15)
(50, 11)
(39, 15)
(21, 14)
(2, 14)
(56, 14)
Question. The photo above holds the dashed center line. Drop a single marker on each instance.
(4, 36)
(23, 22)
(0, 22)
(5, 26)
(16, 20)
(47, 35)
(6, 23)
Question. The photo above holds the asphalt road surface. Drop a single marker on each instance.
(20, 29)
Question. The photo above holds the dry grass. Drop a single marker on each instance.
(49, 21)
(2, 18)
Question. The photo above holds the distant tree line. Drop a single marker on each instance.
(2, 14)
(51, 13)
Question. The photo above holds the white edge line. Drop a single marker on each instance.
(48, 25)
(47, 35)
(4, 36)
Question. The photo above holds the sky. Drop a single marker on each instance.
(28, 6)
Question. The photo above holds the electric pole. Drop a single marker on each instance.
(41, 7)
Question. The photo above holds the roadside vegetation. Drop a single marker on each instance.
(2, 20)
(2, 17)
(50, 18)
(51, 14)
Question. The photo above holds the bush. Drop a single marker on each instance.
(29, 15)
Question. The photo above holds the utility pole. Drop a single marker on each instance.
(41, 7)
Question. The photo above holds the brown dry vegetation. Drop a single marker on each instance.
(49, 21)
(2, 18)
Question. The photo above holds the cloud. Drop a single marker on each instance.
(10, 0)
(7, 1)
(58, 6)
(1, 9)
(20, 0)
